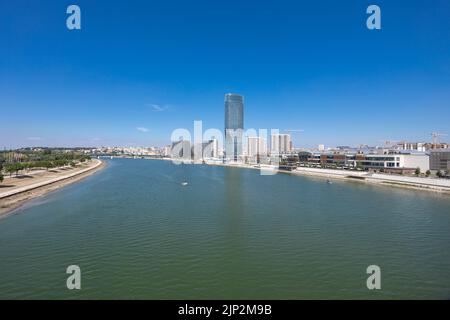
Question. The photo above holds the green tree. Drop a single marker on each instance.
(428, 173)
(417, 172)
(47, 164)
(439, 173)
(1, 177)
(10, 168)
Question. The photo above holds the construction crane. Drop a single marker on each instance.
(294, 130)
(362, 146)
(435, 137)
(389, 143)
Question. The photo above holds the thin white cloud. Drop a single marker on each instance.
(34, 138)
(142, 129)
(157, 107)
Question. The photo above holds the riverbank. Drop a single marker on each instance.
(417, 183)
(15, 191)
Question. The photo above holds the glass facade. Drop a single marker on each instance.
(234, 125)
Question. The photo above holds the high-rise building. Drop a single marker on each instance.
(256, 146)
(440, 159)
(234, 125)
(166, 151)
(280, 143)
(181, 150)
(210, 149)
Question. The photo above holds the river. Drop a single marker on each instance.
(137, 233)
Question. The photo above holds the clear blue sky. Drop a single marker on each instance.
(160, 65)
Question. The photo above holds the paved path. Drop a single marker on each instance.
(406, 180)
(46, 182)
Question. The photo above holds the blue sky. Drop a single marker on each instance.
(160, 65)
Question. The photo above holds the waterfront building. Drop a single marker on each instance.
(166, 151)
(210, 149)
(387, 162)
(280, 143)
(181, 150)
(256, 148)
(440, 159)
(234, 126)
(321, 147)
(420, 146)
(413, 146)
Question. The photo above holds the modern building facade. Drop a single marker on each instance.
(181, 150)
(440, 159)
(393, 162)
(280, 144)
(210, 149)
(256, 149)
(234, 126)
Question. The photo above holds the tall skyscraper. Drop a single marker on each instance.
(234, 125)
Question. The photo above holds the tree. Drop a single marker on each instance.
(428, 173)
(1, 177)
(439, 173)
(10, 168)
(417, 172)
(47, 164)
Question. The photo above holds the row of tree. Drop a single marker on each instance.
(439, 173)
(16, 167)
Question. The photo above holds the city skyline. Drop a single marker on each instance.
(132, 76)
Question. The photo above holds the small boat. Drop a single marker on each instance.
(329, 182)
(184, 183)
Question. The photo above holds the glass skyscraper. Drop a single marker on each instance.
(234, 125)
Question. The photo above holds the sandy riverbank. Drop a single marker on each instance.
(15, 191)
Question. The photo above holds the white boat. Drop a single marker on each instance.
(184, 183)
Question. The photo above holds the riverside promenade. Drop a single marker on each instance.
(433, 184)
(17, 190)
(28, 187)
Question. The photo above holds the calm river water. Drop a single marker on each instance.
(136, 232)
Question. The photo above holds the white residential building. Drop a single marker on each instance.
(280, 143)
(256, 146)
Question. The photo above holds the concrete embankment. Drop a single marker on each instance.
(50, 181)
(432, 184)
(20, 189)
